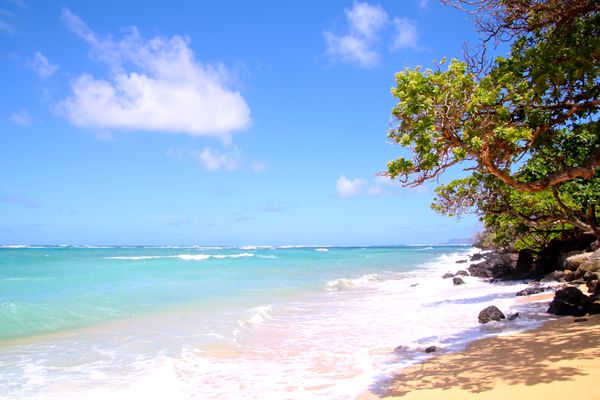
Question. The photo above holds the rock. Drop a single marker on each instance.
(477, 257)
(524, 263)
(554, 276)
(430, 349)
(554, 255)
(595, 308)
(575, 259)
(461, 272)
(448, 275)
(531, 290)
(495, 265)
(591, 285)
(512, 317)
(461, 261)
(569, 275)
(589, 266)
(580, 320)
(414, 285)
(401, 349)
(491, 313)
(457, 281)
(570, 301)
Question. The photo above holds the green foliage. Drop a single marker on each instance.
(527, 130)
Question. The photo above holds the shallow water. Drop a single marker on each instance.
(222, 323)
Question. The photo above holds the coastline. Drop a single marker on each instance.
(559, 359)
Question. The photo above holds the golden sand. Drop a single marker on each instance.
(559, 360)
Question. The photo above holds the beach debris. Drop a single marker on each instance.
(531, 290)
(570, 301)
(461, 272)
(490, 313)
(458, 281)
(512, 317)
(430, 349)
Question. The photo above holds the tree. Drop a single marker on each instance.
(525, 126)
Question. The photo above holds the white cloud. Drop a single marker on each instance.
(366, 19)
(364, 23)
(154, 84)
(406, 35)
(21, 118)
(214, 160)
(349, 187)
(41, 66)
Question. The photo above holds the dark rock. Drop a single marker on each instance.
(477, 257)
(461, 261)
(448, 275)
(491, 313)
(570, 301)
(414, 285)
(461, 272)
(554, 276)
(496, 265)
(580, 320)
(524, 263)
(512, 317)
(554, 255)
(531, 290)
(430, 349)
(592, 285)
(457, 281)
(401, 349)
(595, 308)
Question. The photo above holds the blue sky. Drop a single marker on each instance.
(212, 123)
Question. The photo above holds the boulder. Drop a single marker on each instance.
(477, 257)
(531, 290)
(554, 276)
(570, 301)
(430, 349)
(461, 272)
(458, 281)
(575, 259)
(595, 308)
(512, 317)
(448, 275)
(589, 266)
(491, 313)
(496, 265)
(461, 261)
(553, 256)
(569, 275)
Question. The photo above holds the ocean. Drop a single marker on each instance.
(250, 322)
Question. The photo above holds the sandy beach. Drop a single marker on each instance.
(556, 361)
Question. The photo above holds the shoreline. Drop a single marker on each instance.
(559, 359)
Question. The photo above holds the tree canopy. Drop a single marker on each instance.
(525, 126)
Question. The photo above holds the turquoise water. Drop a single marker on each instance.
(231, 322)
(51, 289)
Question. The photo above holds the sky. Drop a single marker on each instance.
(213, 122)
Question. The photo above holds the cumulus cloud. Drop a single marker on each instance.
(406, 35)
(153, 84)
(41, 66)
(367, 25)
(21, 118)
(349, 187)
(214, 160)
(364, 23)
